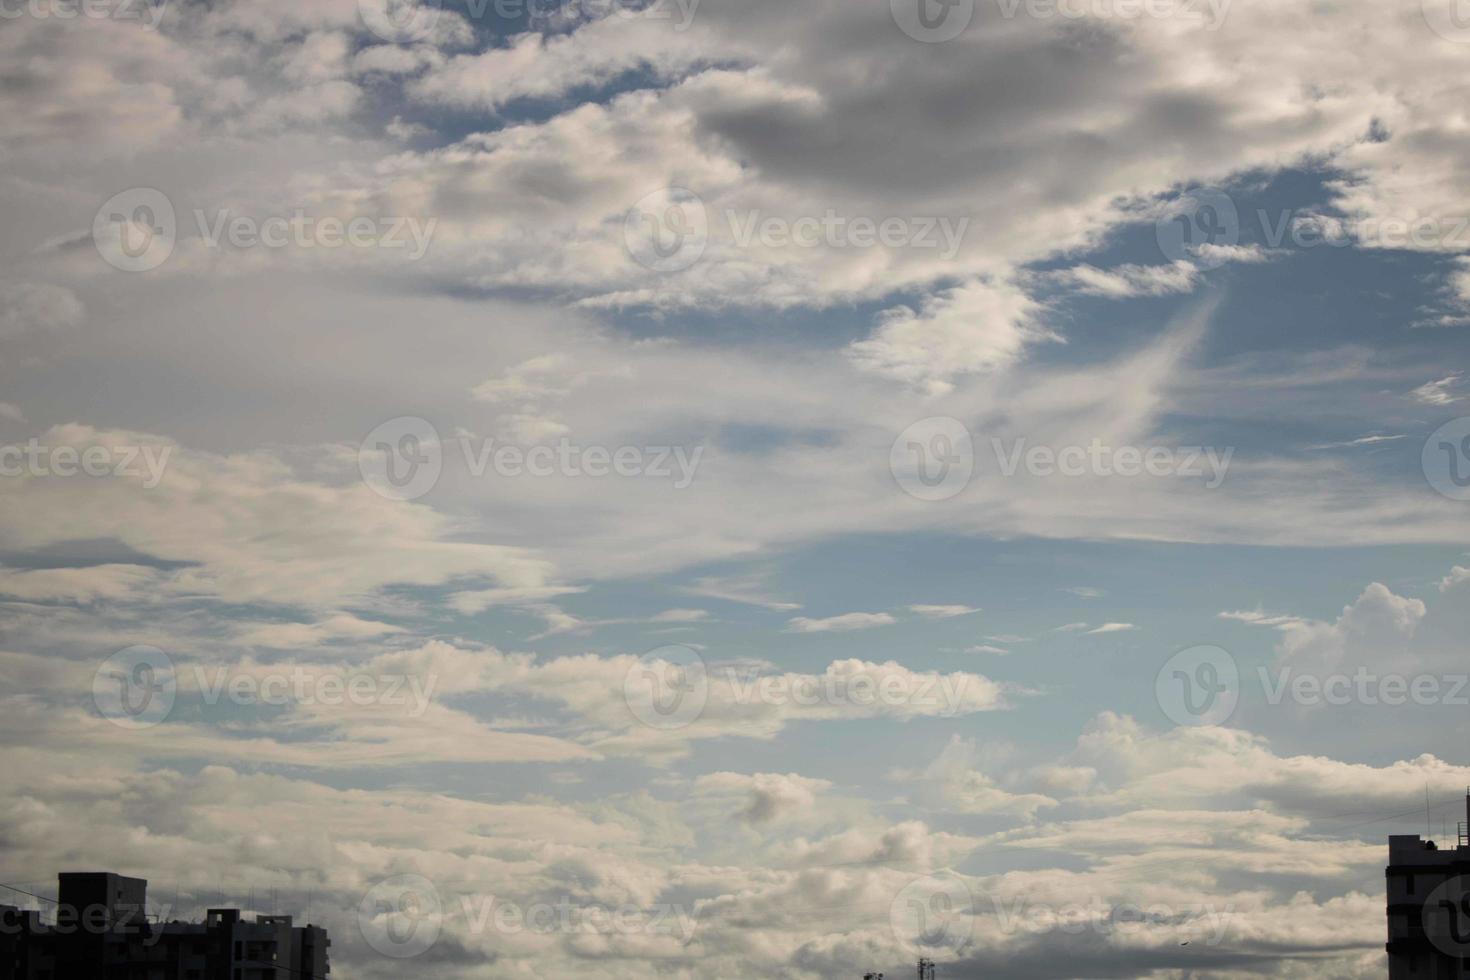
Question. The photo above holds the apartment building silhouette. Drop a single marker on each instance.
(101, 931)
(1428, 891)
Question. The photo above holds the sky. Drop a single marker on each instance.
(594, 488)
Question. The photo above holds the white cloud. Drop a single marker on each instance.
(1111, 628)
(1438, 393)
(942, 612)
(839, 624)
(972, 329)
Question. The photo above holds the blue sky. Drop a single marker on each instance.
(296, 279)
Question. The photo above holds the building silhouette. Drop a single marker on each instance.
(1428, 891)
(102, 932)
